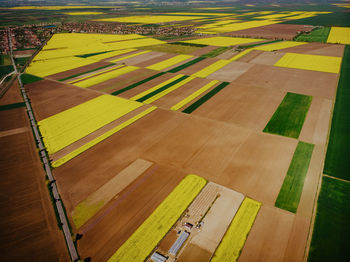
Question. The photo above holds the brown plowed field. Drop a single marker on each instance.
(78, 70)
(250, 56)
(28, 224)
(51, 97)
(267, 58)
(230, 72)
(247, 106)
(275, 31)
(204, 50)
(155, 59)
(12, 95)
(313, 83)
(315, 128)
(268, 236)
(128, 212)
(317, 49)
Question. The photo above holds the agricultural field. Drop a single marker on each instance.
(192, 133)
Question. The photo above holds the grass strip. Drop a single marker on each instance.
(27, 78)
(141, 243)
(185, 65)
(102, 137)
(330, 238)
(237, 233)
(12, 106)
(205, 98)
(337, 162)
(290, 193)
(86, 72)
(137, 84)
(217, 51)
(145, 97)
(289, 116)
(317, 35)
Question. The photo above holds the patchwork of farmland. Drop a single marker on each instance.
(205, 149)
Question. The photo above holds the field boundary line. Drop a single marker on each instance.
(337, 178)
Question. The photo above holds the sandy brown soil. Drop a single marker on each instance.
(313, 83)
(78, 70)
(28, 224)
(268, 236)
(230, 72)
(168, 241)
(247, 106)
(227, 55)
(315, 128)
(128, 212)
(51, 97)
(194, 253)
(12, 95)
(154, 59)
(267, 58)
(317, 49)
(275, 31)
(250, 56)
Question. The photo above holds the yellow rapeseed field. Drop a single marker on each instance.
(147, 236)
(98, 72)
(223, 41)
(45, 68)
(149, 19)
(99, 139)
(84, 13)
(66, 127)
(169, 62)
(105, 76)
(339, 35)
(328, 64)
(236, 235)
(111, 54)
(211, 68)
(279, 45)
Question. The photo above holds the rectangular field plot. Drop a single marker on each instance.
(339, 35)
(236, 235)
(66, 127)
(278, 46)
(147, 236)
(169, 62)
(330, 238)
(289, 117)
(150, 19)
(327, 64)
(293, 184)
(90, 206)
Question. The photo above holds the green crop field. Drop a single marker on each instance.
(317, 35)
(289, 116)
(337, 162)
(290, 193)
(217, 51)
(27, 78)
(330, 239)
